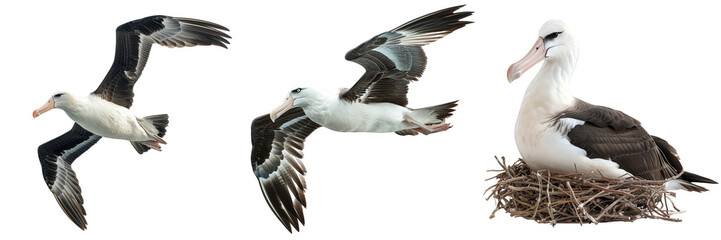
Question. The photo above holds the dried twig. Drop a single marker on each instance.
(551, 197)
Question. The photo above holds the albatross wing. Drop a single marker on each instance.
(277, 151)
(132, 49)
(613, 135)
(392, 59)
(56, 156)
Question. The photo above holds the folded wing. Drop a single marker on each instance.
(613, 135)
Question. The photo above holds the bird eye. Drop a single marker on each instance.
(552, 36)
(297, 90)
(58, 95)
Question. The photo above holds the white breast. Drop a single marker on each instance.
(107, 120)
(343, 116)
(546, 146)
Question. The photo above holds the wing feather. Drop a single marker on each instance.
(613, 135)
(56, 157)
(134, 41)
(395, 58)
(276, 161)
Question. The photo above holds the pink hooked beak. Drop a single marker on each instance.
(536, 55)
(46, 107)
(287, 105)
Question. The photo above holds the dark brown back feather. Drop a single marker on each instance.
(599, 116)
(611, 134)
(632, 149)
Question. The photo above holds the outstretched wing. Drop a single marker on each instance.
(392, 59)
(276, 160)
(132, 49)
(56, 156)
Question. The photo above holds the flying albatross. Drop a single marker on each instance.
(105, 112)
(376, 103)
(557, 131)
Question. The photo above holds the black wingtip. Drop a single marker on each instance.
(203, 23)
(452, 9)
(211, 32)
(442, 20)
(287, 227)
(82, 227)
(74, 211)
(80, 222)
(290, 226)
(198, 32)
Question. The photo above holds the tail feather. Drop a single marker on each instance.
(139, 147)
(687, 178)
(430, 115)
(692, 177)
(155, 127)
(406, 132)
(160, 122)
(693, 187)
(441, 111)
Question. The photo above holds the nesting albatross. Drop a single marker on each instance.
(106, 113)
(376, 103)
(557, 131)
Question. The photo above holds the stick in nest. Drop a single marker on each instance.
(553, 197)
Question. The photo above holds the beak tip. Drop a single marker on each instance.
(35, 114)
(512, 78)
(534, 56)
(279, 111)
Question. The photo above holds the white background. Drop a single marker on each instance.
(657, 61)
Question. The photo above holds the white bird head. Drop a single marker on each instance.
(555, 43)
(299, 97)
(62, 100)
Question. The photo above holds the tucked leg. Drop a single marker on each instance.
(152, 144)
(430, 128)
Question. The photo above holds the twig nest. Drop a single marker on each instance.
(552, 197)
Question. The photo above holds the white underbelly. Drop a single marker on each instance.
(110, 120)
(360, 117)
(543, 147)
